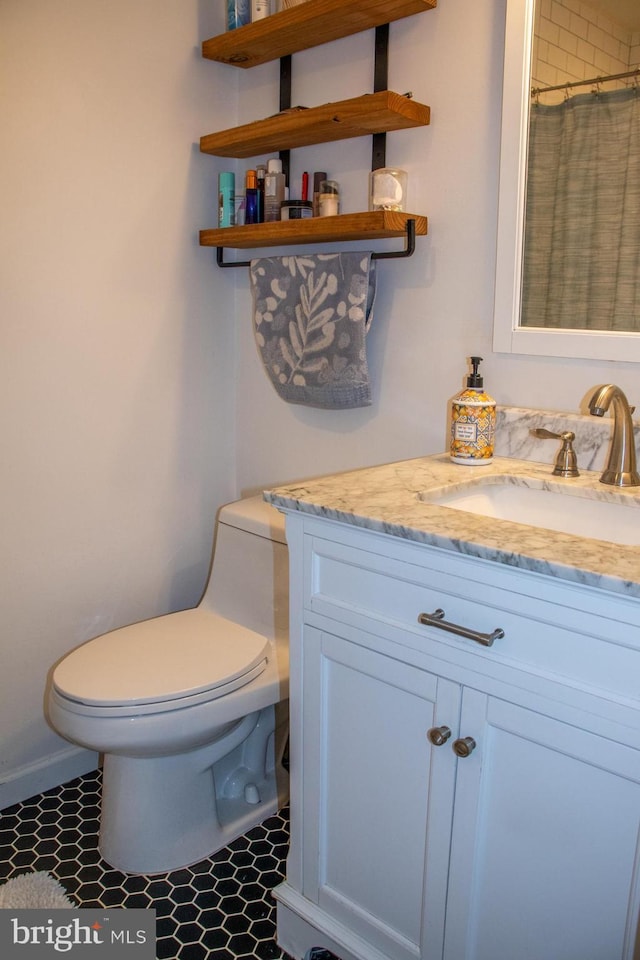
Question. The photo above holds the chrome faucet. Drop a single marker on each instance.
(620, 469)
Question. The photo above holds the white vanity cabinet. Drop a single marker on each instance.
(525, 847)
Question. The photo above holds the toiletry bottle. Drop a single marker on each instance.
(251, 197)
(238, 13)
(329, 200)
(260, 9)
(473, 422)
(274, 184)
(239, 207)
(226, 199)
(318, 177)
(261, 172)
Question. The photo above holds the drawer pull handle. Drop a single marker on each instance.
(438, 735)
(464, 747)
(436, 619)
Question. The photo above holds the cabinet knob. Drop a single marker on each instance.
(464, 746)
(438, 735)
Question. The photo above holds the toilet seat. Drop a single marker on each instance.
(162, 664)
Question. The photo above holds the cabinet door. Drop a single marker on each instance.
(373, 783)
(545, 839)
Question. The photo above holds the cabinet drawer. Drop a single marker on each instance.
(563, 631)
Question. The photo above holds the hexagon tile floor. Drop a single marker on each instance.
(219, 908)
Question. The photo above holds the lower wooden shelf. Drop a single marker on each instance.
(372, 225)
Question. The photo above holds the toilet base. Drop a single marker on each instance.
(164, 813)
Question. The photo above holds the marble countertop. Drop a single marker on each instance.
(385, 499)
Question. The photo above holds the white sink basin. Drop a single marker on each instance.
(526, 500)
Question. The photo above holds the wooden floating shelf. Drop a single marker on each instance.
(374, 225)
(307, 25)
(358, 117)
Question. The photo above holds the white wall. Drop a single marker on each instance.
(126, 416)
(436, 309)
(117, 338)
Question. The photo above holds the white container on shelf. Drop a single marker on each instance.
(260, 9)
(388, 189)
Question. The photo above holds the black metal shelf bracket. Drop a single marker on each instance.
(285, 104)
(229, 263)
(410, 245)
(380, 82)
(409, 249)
(379, 142)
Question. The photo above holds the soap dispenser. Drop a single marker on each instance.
(473, 422)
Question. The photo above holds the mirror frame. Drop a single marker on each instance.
(508, 335)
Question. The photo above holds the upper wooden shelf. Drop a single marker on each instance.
(307, 25)
(358, 117)
(374, 225)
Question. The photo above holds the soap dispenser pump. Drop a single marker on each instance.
(473, 422)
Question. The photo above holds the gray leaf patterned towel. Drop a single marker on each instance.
(311, 315)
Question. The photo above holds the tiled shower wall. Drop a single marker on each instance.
(574, 42)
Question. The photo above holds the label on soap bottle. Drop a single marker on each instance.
(473, 428)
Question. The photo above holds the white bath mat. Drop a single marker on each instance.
(29, 891)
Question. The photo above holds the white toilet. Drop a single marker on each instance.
(190, 709)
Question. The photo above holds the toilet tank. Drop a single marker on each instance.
(249, 579)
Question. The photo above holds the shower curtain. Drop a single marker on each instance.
(581, 264)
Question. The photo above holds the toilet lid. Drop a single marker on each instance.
(164, 659)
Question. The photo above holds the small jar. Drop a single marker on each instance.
(296, 210)
(388, 189)
(329, 199)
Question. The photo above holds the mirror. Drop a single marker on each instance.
(512, 332)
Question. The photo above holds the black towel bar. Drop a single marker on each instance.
(408, 251)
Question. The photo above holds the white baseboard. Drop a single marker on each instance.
(51, 771)
(303, 925)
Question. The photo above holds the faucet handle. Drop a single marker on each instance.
(543, 434)
(566, 464)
